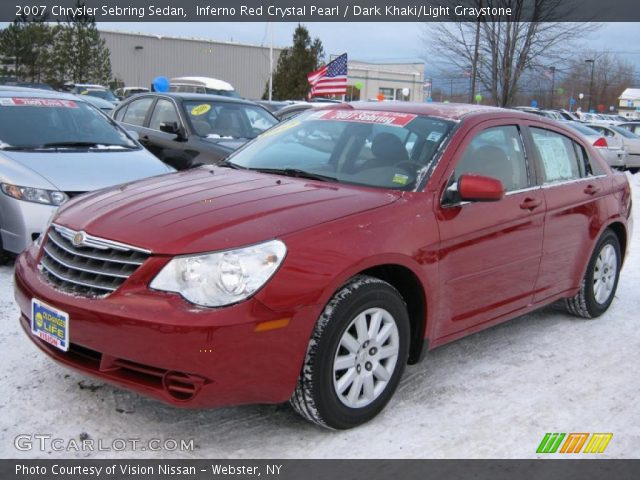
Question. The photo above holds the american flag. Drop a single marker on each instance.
(330, 79)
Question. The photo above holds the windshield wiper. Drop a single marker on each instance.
(73, 144)
(295, 172)
(228, 164)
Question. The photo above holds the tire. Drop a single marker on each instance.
(350, 370)
(600, 280)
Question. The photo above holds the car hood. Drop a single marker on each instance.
(212, 208)
(82, 171)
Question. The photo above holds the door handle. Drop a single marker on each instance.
(530, 203)
(591, 189)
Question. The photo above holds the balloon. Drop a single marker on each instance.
(572, 101)
(359, 85)
(405, 92)
(534, 103)
(479, 98)
(380, 97)
(560, 90)
(447, 101)
(601, 108)
(429, 100)
(160, 84)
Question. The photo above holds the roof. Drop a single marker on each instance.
(451, 111)
(207, 82)
(11, 91)
(630, 94)
(204, 97)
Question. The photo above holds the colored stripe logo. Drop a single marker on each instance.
(573, 442)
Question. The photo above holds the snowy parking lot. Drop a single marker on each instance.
(492, 395)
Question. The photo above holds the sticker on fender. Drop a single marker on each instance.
(365, 116)
(37, 102)
(50, 324)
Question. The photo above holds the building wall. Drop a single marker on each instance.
(379, 78)
(138, 58)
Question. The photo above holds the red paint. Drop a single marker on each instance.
(479, 263)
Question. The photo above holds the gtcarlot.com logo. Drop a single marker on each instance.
(573, 442)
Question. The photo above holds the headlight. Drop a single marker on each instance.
(37, 195)
(222, 278)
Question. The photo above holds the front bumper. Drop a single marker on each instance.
(160, 345)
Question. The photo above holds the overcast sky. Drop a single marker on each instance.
(375, 42)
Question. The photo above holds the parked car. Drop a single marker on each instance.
(126, 92)
(622, 137)
(615, 155)
(38, 85)
(274, 105)
(567, 115)
(105, 106)
(633, 127)
(186, 130)
(206, 85)
(295, 109)
(54, 147)
(102, 93)
(325, 255)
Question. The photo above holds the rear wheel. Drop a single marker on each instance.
(356, 355)
(600, 280)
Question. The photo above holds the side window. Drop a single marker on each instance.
(137, 111)
(496, 152)
(164, 111)
(558, 156)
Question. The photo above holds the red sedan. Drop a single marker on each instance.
(321, 258)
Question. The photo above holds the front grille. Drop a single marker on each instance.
(81, 264)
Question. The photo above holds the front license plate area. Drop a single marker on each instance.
(50, 324)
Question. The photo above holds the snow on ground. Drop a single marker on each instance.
(492, 395)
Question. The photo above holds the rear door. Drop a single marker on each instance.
(574, 194)
(490, 252)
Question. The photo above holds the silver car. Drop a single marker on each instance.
(613, 153)
(53, 147)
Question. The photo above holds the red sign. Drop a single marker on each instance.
(367, 116)
(37, 102)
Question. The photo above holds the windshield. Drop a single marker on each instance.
(378, 149)
(104, 94)
(224, 93)
(228, 120)
(46, 123)
(583, 129)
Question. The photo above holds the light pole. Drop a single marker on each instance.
(592, 62)
(552, 69)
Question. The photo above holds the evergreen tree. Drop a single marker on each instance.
(26, 48)
(295, 62)
(81, 54)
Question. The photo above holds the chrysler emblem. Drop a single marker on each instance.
(78, 239)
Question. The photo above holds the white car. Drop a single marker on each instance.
(613, 153)
(622, 137)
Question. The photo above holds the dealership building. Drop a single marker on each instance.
(629, 105)
(137, 58)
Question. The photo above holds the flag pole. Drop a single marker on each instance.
(271, 63)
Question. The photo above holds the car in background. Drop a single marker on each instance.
(567, 115)
(325, 255)
(206, 85)
(552, 114)
(189, 129)
(54, 147)
(102, 93)
(633, 127)
(126, 92)
(105, 106)
(296, 108)
(274, 105)
(38, 85)
(614, 154)
(623, 138)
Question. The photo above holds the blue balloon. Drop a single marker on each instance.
(160, 84)
(534, 103)
(429, 100)
(572, 101)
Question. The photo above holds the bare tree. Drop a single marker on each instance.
(499, 52)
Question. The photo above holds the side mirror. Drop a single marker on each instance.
(169, 127)
(478, 188)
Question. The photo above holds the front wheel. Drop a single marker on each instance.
(600, 280)
(356, 355)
